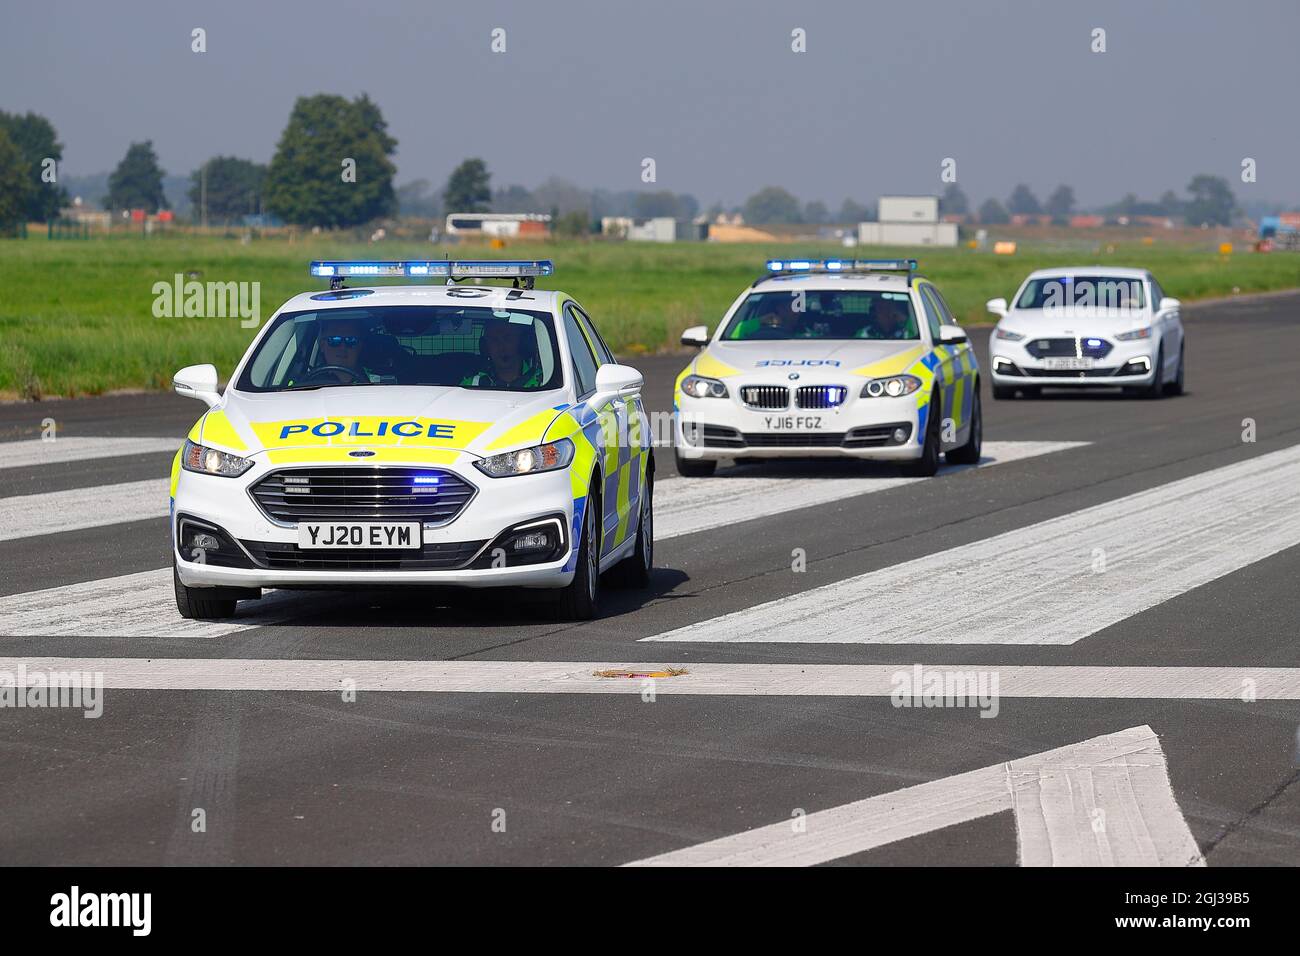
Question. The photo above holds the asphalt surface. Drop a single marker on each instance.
(297, 776)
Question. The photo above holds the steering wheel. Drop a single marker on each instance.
(314, 373)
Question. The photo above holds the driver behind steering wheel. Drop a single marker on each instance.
(339, 343)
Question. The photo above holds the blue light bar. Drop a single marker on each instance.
(445, 268)
(786, 266)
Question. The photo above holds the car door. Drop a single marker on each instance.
(1169, 326)
(947, 368)
(612, 418)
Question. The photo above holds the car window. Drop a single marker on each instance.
(1081, 292)
(932, 317)
(471, 347)
(603, 355)
(584, 362)
(824, 314)
(1157, 294)
(945, 313)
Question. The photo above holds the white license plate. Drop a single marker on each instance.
(1068, 363)
(324, 535)
(794, 423)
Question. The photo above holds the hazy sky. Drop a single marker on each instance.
(709, 88)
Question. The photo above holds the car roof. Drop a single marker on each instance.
(1116, 272)
(494, 296)
(889, 281)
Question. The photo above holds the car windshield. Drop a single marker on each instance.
(406, 345)
(1081, 292)
(823, 314)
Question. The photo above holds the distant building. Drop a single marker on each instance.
(658, 229)
(1086, 222)
(907, 221)
(503, 225)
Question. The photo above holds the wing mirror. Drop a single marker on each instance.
(616, 381)
(951, 335)
(198, 381)
(997, 307)
(1170, 304)
(697, 336)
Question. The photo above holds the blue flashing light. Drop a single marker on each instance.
(426, 479)
(446, 268)
(840, 265)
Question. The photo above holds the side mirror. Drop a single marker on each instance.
(696, 335)
(951, 335)
(1169, 304)
(616, 381)
(198, 381)
(997, 306)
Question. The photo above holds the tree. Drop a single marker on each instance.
(573, 225)
(1170, 204)
(136, 183)
(816, 213)
(851, 211)
(418, 200)
(953, 202)
(992, 213)
(1023, 202)
(13, 183)
(1212, 201)
(333, 165)
(469, 188)
(514, 199)
(772, 204)
(1060, 204)
(656, 204)
(36, 141)
(233, 188)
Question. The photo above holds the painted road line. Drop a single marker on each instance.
(131, 605)
(21, 454)
(682, 506)
(900, 681)
(1058, 797)
(29, 516)
(689, 505)
(1054, 582)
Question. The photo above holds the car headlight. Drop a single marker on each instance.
(892, 387)
(210, 461)
(1142, 333)
(697, 386)
(528, 461)
(1001, 333)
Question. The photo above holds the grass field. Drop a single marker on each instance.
(76, 317)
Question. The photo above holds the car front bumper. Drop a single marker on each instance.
(1012, 365)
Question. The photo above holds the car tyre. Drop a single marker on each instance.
(969, 453)
(579, 600)
(1004, 392)
(634, 570)
(928, 464)
(694, 467)
(1177, 386)
(193, 604)
(1157, 387)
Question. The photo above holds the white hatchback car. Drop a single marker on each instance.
(1088, 326)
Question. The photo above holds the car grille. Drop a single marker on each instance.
(1068, 348)
(765, 396)
(287, 556)
(794, 439)
(363, 493)
(1068, 372)
(820, 396)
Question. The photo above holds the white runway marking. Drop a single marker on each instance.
(1054, 582)
(28, 516)
(131, 605)
(1103, 802)
(707, 679)
(688, 505)
(19, 454)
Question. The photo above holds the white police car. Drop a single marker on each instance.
(461, 434)
(831, 357)
(1088, 326)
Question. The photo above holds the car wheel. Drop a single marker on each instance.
(1003, 392)
(634, 570)
(969, 453)
(579, 599)
(193, 605)
(1157, 387)
(928, 463)
(694, 467)
(1178, 384)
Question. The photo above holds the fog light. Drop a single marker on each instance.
(205, 542)
(900, 436)
(532, 541)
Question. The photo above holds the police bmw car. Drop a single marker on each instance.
(461, 434)
(831, 357)
(1088, 326)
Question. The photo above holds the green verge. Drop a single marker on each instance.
(76, 317)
